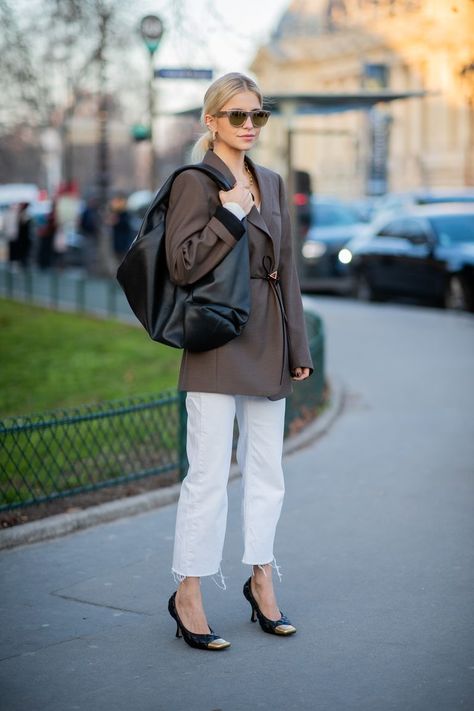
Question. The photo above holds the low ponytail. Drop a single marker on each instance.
(201, 147)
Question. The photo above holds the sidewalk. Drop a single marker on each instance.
(374, 542)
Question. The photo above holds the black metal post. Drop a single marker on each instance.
(151, 118)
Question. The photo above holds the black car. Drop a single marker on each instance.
(425, 252)
(323, 263)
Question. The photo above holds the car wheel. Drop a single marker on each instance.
(455, 297)
(364, 290)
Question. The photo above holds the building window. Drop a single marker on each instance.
(375, 76)
(393, 7)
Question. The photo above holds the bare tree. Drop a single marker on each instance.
(20, 87)
(68, 42)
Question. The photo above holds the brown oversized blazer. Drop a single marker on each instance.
(199, 233)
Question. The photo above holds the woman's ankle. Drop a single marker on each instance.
(190, 587)
(262, 574)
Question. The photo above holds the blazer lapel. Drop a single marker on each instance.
(261, 219)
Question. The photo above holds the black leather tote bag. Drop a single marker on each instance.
(199, 317)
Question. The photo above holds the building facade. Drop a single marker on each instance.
(354, 45)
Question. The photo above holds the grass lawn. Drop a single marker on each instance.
(53, 360)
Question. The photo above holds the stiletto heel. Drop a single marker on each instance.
(282, 626)
(198, 641)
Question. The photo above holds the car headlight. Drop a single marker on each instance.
(313, 250)
(345, 255)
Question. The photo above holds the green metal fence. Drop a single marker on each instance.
(308, 395)
(68, 290)
(48, 456)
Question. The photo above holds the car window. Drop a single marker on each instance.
(391, 202)
(453, 229)
(413, 229)
(406, 228)
(391, 229)
(324, 215)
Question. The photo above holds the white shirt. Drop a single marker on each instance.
(236, 209)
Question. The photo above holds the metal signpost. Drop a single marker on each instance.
(151, 30)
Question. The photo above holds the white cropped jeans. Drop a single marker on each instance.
(202, 508)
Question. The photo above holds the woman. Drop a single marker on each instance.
(250, 376)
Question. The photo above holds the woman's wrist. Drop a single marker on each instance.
(235, 209)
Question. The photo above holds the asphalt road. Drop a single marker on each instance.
(375, 543)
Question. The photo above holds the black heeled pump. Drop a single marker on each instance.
(282, 626)
(198, 641)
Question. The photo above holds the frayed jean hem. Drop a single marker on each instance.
(272, 563)
(220, 582)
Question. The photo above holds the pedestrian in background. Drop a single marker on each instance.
(250, 376)
(46, 236)
(67, 210)
(21, 247)
(10, 230)
(122, 233)
(89, 227)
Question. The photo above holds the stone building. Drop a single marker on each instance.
(398, 45)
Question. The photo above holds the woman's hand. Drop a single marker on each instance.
(242, 196)
(300, 373)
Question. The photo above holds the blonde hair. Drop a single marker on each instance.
(217, 95)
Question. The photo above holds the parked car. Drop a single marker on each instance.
(322, 264)
(393, 202)
(365, 206)
(424, 252)
(14, 193)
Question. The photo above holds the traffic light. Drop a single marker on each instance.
(140, 132)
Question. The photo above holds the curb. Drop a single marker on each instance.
(62, 524)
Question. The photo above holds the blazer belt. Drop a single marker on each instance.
(273, 278)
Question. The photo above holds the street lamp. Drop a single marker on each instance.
(151, 30)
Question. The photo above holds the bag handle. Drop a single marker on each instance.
(164, 192)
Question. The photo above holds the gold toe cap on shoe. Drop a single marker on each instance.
(218, 644)
(285, 629)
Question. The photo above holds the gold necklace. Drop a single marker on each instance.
(249, 173)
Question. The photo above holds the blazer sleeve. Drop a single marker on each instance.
(299, 354)
(199, 233)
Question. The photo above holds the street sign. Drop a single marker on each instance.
(183, 73)
(151, 29)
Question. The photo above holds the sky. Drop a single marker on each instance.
(219, 34)
(222, 35)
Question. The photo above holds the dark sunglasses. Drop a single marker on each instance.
(237, 118)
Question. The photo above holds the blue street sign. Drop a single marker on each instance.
(183, 73)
